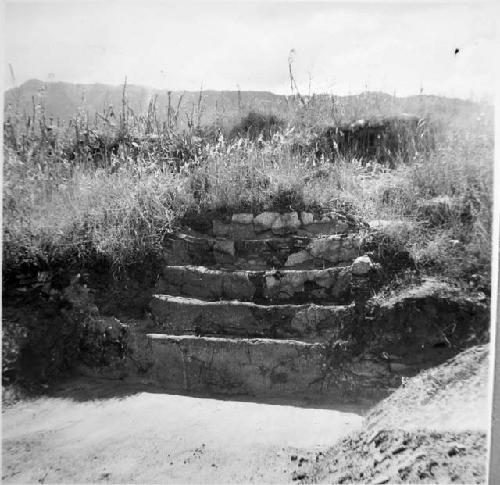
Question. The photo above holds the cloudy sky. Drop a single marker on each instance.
(339, 48)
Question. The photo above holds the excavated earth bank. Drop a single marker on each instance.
(432, 430)
(261, 306)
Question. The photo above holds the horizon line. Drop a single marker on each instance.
(480, 98)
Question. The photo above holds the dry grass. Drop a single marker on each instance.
(56, 208)
(122, 215)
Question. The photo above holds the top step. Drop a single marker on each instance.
(260, 254)
(271, 224)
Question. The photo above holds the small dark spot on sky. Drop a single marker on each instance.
(457, 50)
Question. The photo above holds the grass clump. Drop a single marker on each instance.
(83, 214)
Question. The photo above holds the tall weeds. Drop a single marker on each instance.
(116, 189)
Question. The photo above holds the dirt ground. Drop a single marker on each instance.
(99, 431)
(431, 430)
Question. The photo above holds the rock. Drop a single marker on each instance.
(224, 251)
(298, 258)
(306, 218)
(244, 218)
(304, 285)
(104, 341)
(286, 224)
(238, 287)
(220, 229)
(242, 231)
(326, 248)
(284, 284)
(263, 222)
(457, 449)
(326, 280)
(398, 367)
(224, 246)
(237, 366)
(361, 266)
(79, 296)
(323, 319)
(113, 328)
(327, 227)
(272, 283)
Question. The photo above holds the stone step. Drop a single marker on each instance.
(259, 254)
(262, 367)
(328, 285)
(180, 315)
(268, 224)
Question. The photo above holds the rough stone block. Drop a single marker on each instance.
(306, 218)
(305, 285)
(298, 258)
(239, 366)
(261, 367)
(326, 248)
(361, 266)
(221, 229)
(242, 231)
(191, 316)
(263, 222)
(224, 246)
(286, 224)
(273, 252)
(327, 227)
(399, 367)
(243, 218)
(237, 286)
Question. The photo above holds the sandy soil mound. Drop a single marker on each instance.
(450, 397)
(397, 456)
(432, 430)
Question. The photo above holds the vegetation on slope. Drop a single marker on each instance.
(113, 188)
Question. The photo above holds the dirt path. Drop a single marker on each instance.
(159, 438)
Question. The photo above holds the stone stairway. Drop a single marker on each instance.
(255, 305)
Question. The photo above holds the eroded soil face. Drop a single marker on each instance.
(432, 430)
(101, 431)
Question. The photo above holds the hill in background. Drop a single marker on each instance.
(62, 101)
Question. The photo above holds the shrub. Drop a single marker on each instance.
(254, 124)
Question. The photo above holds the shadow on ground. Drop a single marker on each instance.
(84, 389)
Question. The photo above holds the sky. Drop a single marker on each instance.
(341, 48)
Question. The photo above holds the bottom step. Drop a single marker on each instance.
(263, 367)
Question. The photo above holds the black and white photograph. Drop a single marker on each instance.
(248, 242)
